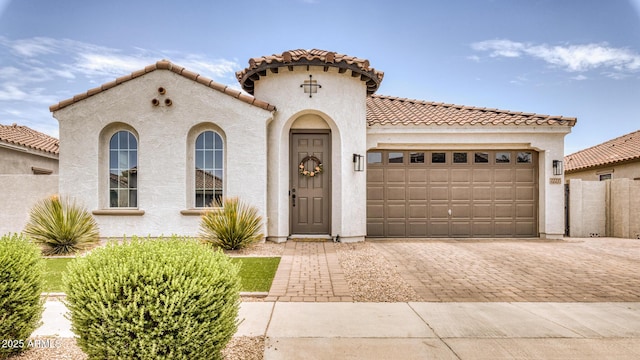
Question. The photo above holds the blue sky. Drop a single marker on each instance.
(576, 58)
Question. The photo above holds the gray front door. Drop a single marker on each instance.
(310, 193)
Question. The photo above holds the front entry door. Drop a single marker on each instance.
(310, 200)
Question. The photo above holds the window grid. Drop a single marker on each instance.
(123, 170)
(208, 169)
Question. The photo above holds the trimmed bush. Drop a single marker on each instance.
(153, 299)
(21, 283)
(232, 225)
(62, 226)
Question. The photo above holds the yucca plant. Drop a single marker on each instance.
(232, 225)
(61, 226)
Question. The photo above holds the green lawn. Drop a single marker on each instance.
(256, 273)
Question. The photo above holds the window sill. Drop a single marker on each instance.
(195, 212)
(118, 212)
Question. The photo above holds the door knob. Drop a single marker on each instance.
(449, 212)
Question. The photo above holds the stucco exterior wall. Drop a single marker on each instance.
(19, 160)
(621, 171)
(20, 193)
(548, 141)
(166, 135)
(341, 104)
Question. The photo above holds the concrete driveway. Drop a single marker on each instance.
(573, 270)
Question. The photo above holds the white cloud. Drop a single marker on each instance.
(572, 58)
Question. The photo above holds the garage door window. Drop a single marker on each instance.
(416, 157)
(524, 157)
(396, 158)
(459, 157)
(438, 158)
(481, 158)
(503, 157)
(374, 158)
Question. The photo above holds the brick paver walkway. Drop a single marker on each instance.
(580, 270)
(576, 270)
(309, 271)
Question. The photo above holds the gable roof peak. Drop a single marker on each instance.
(166, 65)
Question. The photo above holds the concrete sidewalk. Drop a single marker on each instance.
(497, 330)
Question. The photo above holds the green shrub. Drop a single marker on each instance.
(62, 226)
(21, 283)
(153, 299)
(231, 225)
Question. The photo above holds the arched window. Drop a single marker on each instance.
(209, 168)
(123, 170)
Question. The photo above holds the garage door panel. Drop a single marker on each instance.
(395, 176)
(417, 193)
(439, 193)
(395, 211)
(461, 228)
(462, 193)
(396, 229)
(418, 176)
(461, 176)
(525, 193)
(375, 175)
(439, 211)
(482, 176)
(418, 211)
(503, 193)
(375, 229)
(504, 211)
(438, 228)
(395, 193)
(525, 211)
(525, 228)
(439, 176)
(525, 176)
(418, 229)
(375, 193)
(503, 176)
(375, 212)
(481, 193)
(461, 211)
(482, 228)
(482, 211)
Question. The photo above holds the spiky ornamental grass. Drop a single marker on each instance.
(153, 299)
(232, 225)
(62, 226)
(21, 282)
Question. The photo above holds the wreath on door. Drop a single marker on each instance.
(315, 170)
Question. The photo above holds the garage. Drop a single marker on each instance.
(452, 193)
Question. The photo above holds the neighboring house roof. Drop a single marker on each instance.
(29, 138)
(166, 65)
(258, 66)
(388, 110)
(206, 180)
(621, 149)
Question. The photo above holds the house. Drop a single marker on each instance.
(28, 173)
(310, 145)
(27, 151)
(618, 158)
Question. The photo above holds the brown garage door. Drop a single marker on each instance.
(483, 193)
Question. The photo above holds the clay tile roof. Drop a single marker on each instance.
(166, 65)
(29, 138)
(258, 66)
(621, 149)
(388, 110)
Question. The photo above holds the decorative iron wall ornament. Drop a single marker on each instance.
(310, 86)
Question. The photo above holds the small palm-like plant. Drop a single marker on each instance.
(232, 225)
(62, 226)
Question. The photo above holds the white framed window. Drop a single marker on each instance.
(123, 170)
(209, 168)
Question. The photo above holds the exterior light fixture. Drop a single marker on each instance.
(557, 167)
(358, 162)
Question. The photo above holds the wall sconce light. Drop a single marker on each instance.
(557, 167)
(358, 162)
